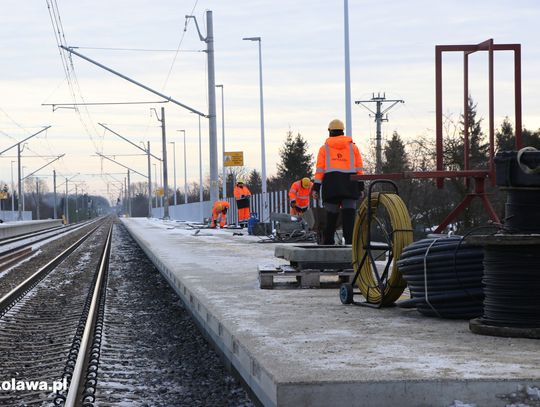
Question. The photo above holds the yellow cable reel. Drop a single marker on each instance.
(380, 287)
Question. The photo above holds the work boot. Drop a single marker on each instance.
(347, 216)
(330, 229)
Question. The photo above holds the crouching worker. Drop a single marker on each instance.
(219, 212)
(299, 196)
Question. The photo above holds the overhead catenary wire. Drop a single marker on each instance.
(69, 69)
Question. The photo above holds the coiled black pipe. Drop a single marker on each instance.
(512, 286)
(450, 270)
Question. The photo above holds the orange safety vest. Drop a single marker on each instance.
(300, 194)
(338, 154)
(239, 191)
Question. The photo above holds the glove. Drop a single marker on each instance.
(242, 196)
(293, 204)
(315, 194)
(225, 211)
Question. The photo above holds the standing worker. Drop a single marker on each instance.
(338, 159)
(242, 194)
(299, 196)
(219, 212)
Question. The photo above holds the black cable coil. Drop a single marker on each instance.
(512, 286)
(451, 270)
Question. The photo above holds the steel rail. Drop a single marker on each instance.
(80, 365)
(12, 297)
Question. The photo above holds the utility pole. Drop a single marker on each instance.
(174, 168)
(224, 182)
(209, 40)
(129, 194)
(66, 203)
(37, 198)
(348, 114)
(148, 154)
(13, 194)
(55, 214)
(19, 217)
(149, 181)
(379, 115)
(164, 159)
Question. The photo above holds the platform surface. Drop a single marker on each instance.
(304, 348)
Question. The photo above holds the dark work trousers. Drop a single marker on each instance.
(348, 211)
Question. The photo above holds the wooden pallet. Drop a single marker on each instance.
(305, 278)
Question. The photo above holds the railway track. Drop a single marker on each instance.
(109, 328)
(42, 318)
(20, 261)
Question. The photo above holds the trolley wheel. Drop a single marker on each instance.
(346, 293)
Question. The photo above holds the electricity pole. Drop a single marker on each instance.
(55, 215)
(212, 132)
(148, 154)
(164, 159)
(19, 150)
(379, 115)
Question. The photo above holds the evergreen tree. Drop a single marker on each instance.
(295, 162)
(474, 214)
(254, 182)
(478, 149)
(531, 139)
(395, 156)
(505, 136)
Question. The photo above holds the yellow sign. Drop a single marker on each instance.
(3, 195)
(233, 159)
(159, 192)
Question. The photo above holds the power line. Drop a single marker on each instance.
(178, 49)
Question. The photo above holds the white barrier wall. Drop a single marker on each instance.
(12, 229)
(191, 212)
(278, 202)
(8, 216)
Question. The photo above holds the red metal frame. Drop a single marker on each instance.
(479, 176)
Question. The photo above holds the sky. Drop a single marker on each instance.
(392, 46)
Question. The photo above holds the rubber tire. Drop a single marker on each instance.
(346, 293)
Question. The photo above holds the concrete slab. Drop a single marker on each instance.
(304, 348)
(314, 253)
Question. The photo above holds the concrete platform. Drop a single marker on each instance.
(304, 348)
(12, 229)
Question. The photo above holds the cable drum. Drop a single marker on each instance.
(512, 286)
(444, 276)
(394, 227)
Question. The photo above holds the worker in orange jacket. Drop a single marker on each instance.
(219, 212)
(242, 194)
(299, 196)
(338, 159)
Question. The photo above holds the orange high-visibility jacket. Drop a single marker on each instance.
(239, 191)
(242, 203)
(300, 194)
(338, 159)
(338, 154)
(224, 204)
